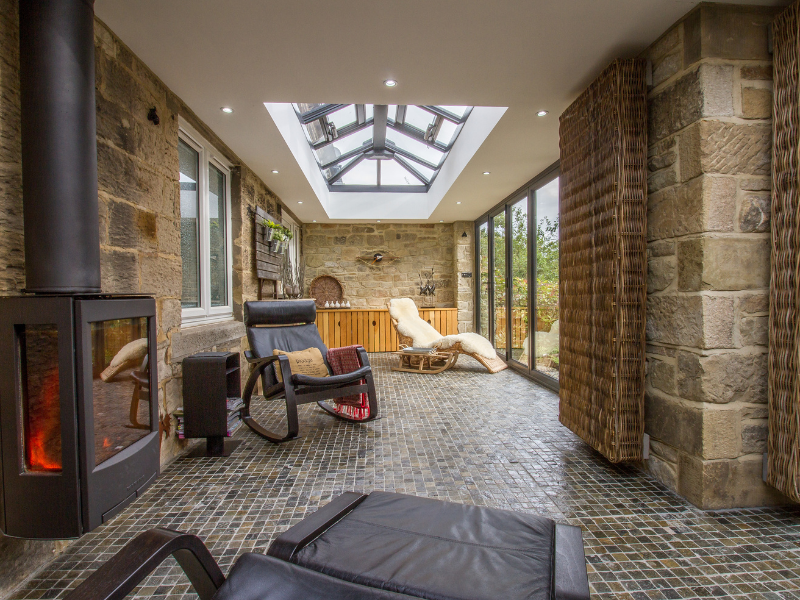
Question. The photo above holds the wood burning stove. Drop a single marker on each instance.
(78, 383)
(73, 455)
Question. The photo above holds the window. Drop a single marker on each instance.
(517, 264)
(205, 192)
(380, 148)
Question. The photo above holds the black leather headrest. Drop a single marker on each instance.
(279, 312)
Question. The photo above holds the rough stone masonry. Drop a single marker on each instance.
(710, 113)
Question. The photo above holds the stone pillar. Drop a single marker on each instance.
(464, 262)
(708, 251)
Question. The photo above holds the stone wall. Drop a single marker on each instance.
(464, 262)
(708, 250)
(139, 208)
(344, 251)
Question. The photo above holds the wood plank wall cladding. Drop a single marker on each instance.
(603, 270)
(269, 264)
(373, 328)
(783, 442)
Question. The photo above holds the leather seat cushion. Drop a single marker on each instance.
(259, 577)
(437, 550)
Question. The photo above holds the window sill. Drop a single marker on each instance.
(191, 340)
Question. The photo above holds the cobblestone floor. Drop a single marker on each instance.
(464, 436)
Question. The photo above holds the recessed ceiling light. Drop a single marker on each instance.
(441, 221)
(541, 113)
(390, 83)
(226, 109)
(486, 173)
(275, 171)
(379, 221)
(299, 201)
(314, 221)
(458, 202)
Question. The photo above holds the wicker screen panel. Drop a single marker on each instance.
(603, 272)
(783, 466)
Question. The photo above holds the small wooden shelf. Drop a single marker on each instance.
(209, 380)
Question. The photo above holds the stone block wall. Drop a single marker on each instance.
(709, 249)
(139, 205)
(464, 262)
(342, 250)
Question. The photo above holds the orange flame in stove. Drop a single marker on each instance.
(43, 443)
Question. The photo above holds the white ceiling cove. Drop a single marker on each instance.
(527, 55)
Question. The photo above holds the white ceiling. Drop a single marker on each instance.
(526, 55)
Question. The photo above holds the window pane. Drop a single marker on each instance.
(392, 173)
(418, 118)
(305, 107)
(369, 109)
(314, 132)
(447, 132)
(547, 279)
(456, 111)
(343, 145)
(343, 117)
(189, 159)
(499, 223)
(217, 236)
(483, 283)
(416, 148)
(364, 173)
(520, 344)
(424, 171)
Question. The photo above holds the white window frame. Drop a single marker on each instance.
(205, 313)
(293, 249)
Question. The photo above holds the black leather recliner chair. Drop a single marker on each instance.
(289, 325)
(383, 546)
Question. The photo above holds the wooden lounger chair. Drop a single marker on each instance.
(493, 365)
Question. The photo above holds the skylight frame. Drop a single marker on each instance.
(407, 159)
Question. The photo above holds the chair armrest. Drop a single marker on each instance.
(137, 559)
(286, 545)
(248, 355)
(362, 355)
(332, 379)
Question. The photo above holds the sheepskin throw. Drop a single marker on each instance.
(471, 343)
(410, 324)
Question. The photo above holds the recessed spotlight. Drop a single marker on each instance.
(458, 202)
(275, 171)
(442, 221)
(486, 173)
(378, 221)
(541, 113)
(314, 221)
(299, 201)
(390, 83)
(226, 109)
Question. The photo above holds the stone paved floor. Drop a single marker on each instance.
(463, 436)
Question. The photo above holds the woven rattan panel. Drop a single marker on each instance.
(783, 469)
(603, 271)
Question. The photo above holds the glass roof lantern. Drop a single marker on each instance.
(380, 148)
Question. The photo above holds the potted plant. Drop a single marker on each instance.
(269, 228)
(279, 238)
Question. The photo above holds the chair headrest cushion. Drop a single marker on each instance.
(279, 312)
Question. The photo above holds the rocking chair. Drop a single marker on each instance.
(289, 325)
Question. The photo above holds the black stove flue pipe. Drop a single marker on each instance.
(59, 146)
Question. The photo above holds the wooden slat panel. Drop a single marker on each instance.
(348, 327)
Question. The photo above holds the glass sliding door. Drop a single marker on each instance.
(517, 246)
(499, 282)
(546, 301)
(483, 281)
(518, 301)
